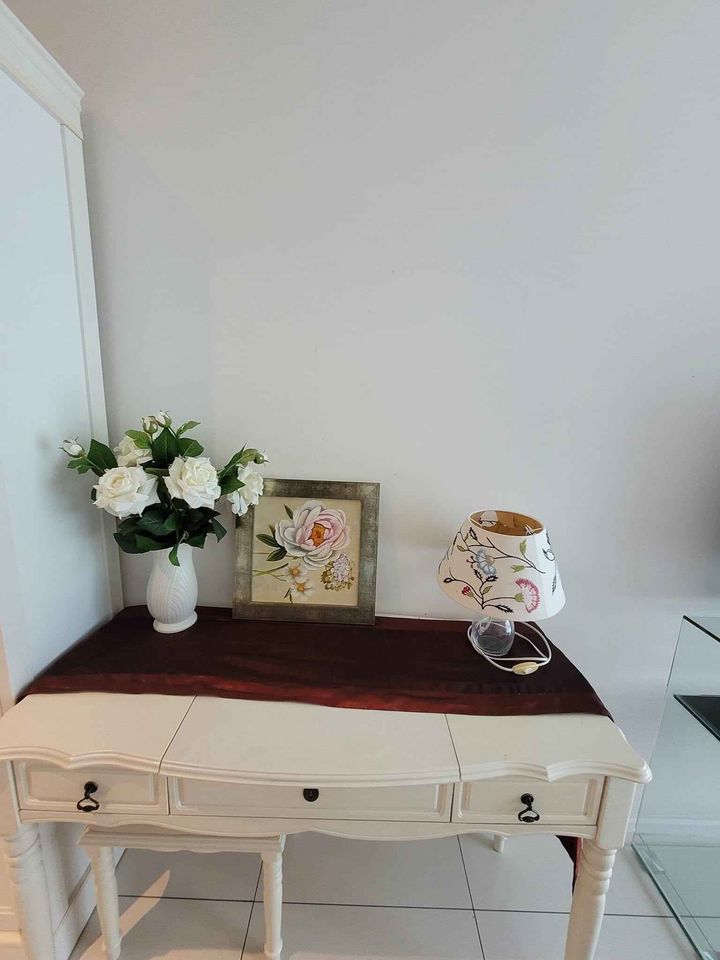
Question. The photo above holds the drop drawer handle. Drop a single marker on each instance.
(311, 794)
(528, 815)
(88, 804)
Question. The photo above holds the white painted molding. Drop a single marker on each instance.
(557, 771)
(248, 827)
(176, 768)
(549, 773)
(24, 59)
(143, 838)
(98, 758)
(615, 810)
(87, 308)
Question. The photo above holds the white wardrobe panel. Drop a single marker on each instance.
(53, 574)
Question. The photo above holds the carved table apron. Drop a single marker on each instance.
(175, 772)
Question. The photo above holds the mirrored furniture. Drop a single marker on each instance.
(678, 829)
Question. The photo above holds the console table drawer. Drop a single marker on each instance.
(45, 787)
(422, 802)
(569, 801)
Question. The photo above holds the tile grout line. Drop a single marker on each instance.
(472, 901)
(250, 915)
(400, 906)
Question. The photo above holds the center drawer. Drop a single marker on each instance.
(42, 786)
(421, 802)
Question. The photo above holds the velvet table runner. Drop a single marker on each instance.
(396, 664)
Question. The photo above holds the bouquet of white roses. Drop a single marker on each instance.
(160, 487)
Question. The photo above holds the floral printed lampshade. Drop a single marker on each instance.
(501, 565)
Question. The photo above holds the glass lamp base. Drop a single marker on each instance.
(492, 637)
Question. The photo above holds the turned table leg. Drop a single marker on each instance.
(32, 903)
(588, 902)
(272, 897)
(106, 895)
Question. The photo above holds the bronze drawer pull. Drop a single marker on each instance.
(528, 815)
(88, 804)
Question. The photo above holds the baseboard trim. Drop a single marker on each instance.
(80, 907)
(11, 946)
(677, 827)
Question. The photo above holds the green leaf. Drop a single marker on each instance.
(188, 425)
(159, 521)
(172, 523)
(165, 448)
(197, 540)
(76, 464)
(523, 547)
(127, 543)
(230, 485)
(276, 555)
(268, 541)
(517, 567)
(189, 447)
(173, 557)
(487, 588)
(288, 511)
(129, 524)
(101, 456)
(156, 471)
(247, 455)
(149, 543)
(84, 468)
(139, 438)
(218, 529)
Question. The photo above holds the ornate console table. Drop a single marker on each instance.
(202, 772)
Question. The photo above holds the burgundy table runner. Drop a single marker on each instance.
(397, 664)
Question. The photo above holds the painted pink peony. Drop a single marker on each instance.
(315, 533)
(530, 593)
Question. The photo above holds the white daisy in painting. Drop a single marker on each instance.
(295, 570)
(301, 589)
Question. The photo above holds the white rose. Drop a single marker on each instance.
(149, 425)
(194, 480)
(72, 448)
(129, 454)
(163, 418)
(124, 491)
(249, 495)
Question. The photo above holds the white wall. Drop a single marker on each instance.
(466, 249)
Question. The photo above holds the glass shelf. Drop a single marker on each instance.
(706, 709)
(678, 829)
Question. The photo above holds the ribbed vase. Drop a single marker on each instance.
(172, 591)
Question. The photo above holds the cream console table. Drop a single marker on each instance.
(176, 772)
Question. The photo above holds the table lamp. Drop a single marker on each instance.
(501, 566)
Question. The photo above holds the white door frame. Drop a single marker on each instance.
(24, 60)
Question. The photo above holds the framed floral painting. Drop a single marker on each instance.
(308, 551)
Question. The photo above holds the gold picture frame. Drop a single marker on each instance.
(308, 552)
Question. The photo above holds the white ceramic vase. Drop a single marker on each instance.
(172, 591)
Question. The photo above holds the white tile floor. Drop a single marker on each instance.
(344, 900)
